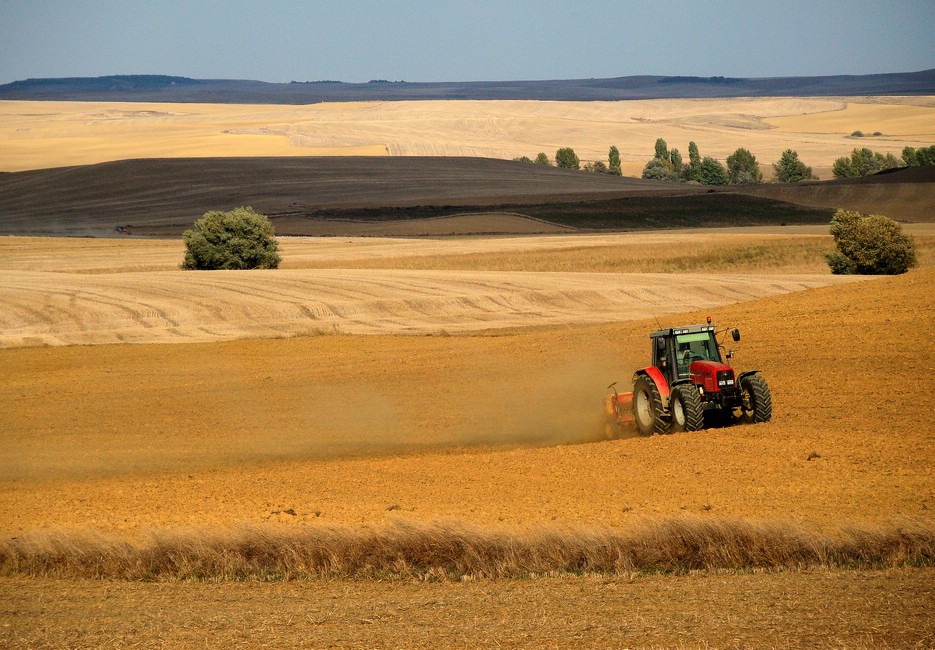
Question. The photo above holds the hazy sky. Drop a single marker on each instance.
(462, 40)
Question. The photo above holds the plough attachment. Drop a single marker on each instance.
(618, 409)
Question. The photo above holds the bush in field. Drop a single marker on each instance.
(523, 159)
(869, 245)
(542, 159)
(659, 170)
(597, 167)
(567, 158)
(239, 239)
(789, 169)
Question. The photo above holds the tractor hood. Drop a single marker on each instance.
(713, 376)
(707, 367)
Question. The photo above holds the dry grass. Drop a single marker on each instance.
(463, 551)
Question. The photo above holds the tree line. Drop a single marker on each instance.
(742, 167)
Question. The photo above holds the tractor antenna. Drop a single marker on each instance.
(657, 321)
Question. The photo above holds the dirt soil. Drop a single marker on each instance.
(883, 609)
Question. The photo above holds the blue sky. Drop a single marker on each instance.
(471, 40)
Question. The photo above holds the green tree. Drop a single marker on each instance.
(613, 160)
(676, 159)
(567, 158)
(523, 159)
(694, 162)
(863, 162)
(662, 149)
(789, 169)
(919, 157)
(542, 159)
(712, 172)
(239, 239)
(742, 168)
(659, 170)
(869, 245)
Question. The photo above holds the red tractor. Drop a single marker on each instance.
(688, 384)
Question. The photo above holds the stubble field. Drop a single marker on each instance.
(496, 430)
(36, 135)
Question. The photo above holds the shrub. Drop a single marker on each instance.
(542, 159)
(567, 158)
(869, 245)
(239, 239)
(523, 159)
(659, 170)
(597, 167)
(857, 134)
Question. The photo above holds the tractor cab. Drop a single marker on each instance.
(676, 348)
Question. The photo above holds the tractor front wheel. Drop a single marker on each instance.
(647, 408)
(757, 402)
(687, 409)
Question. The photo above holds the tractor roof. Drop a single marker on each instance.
(687, 329)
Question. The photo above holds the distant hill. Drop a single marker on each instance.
(161, 88)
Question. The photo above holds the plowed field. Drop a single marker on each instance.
(498, 428)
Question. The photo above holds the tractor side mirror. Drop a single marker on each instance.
(735, 334)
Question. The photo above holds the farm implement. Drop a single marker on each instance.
(688, 386)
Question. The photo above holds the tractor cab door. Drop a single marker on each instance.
(663, 356)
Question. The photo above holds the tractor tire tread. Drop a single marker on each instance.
(692, 407)
(761, 397)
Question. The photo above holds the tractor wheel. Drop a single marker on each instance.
(647, 408)
(687, 409)
(757, 401)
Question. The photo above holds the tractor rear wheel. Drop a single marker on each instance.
(647, 408)
(687, 409)
(757, 400)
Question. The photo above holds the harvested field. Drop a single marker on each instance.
(38, 135)
(493, 433)
(67, 292)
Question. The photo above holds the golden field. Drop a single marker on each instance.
(396, 439)
(486, 419)
(36, 135)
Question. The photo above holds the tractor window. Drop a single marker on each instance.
(700, 346)
(659, 353)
